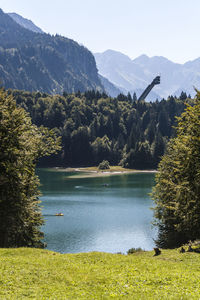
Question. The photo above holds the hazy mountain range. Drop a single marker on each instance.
(135, 75)
(117, 72)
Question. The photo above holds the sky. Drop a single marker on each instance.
(168, 28)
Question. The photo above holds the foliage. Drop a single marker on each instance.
(41, 274)
(177, 190)
(95, 127)
(104, 165)
(134, 250)
(21, 144)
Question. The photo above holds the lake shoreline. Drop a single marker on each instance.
(86, 172)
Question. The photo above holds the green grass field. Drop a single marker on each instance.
(40, 274)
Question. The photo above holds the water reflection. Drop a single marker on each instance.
(100, 214)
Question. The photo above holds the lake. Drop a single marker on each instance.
(110, 214)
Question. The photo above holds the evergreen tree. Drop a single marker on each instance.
(177, 190)
(134, 97)
(81, 148)
(164, 123)
(21, 144)
(158, 148)
(129, 97)
(183, 96)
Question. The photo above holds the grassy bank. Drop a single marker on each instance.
(41, 274)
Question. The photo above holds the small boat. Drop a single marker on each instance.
(59, 214)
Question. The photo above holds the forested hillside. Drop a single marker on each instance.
(34, 61)
(95, 127)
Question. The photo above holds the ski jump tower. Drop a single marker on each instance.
(149, 88)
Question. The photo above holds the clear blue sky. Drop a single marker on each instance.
(167, 28)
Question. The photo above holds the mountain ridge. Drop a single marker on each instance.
(41, 62)
(134, 74)
(28, 24)
(117, 71)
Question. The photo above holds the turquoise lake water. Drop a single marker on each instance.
(110, 214)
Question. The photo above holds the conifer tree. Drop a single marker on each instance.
(21, 144)
(177, 190)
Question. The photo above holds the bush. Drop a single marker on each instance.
(134, 250)
(104, 165)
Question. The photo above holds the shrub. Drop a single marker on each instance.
(104, 165)
(134, 250)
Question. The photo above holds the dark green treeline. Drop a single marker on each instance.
(95, 127)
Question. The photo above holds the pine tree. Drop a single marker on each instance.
(134, 97)
(21, 144)
(177, 190)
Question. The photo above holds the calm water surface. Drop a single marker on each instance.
(110, 214)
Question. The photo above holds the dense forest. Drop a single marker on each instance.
(95, 127)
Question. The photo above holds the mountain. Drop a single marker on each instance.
(28, 24)
(136, 75)
(109, 87)
(34, 61)
(119, 69)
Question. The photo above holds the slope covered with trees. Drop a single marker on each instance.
(95, 127)
(33, 61)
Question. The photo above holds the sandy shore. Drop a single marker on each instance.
(94, 172)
